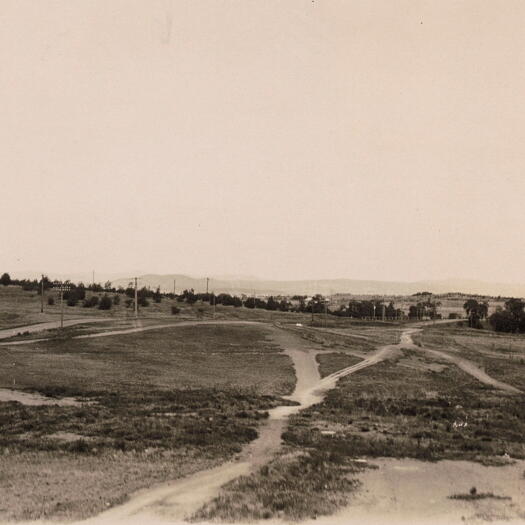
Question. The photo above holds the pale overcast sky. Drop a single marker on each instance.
(284, 139)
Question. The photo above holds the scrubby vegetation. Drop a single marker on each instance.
(159, 414)
(219, 421)
(388, 411)
(294, 486)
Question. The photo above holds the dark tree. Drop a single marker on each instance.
(272, 304)
(105, 303)
(475, 312)
(512, 319)
(157, 296)
(250, 302)
(5, 279)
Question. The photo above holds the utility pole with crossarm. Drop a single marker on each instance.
(62, 287)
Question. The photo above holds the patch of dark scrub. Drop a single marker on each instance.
(219, 421)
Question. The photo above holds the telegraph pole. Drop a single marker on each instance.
(136, 299)
(61, 308)
(62, 287)
(213, 304)
(42, 296)
(207, 282)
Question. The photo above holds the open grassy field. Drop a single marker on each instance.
(501, 355)
(214, 356)
(395, 411)
(156, 405)
(19, 307)
(409, 406)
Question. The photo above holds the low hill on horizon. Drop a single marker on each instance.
(249, 285)
(325, 286)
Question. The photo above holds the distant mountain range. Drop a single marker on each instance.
(250, 286)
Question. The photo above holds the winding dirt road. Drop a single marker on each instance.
(177, 500)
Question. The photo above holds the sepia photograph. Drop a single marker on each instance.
(262, 262)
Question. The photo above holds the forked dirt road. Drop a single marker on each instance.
(174, 502)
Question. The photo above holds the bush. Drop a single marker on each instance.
(50, 300)
(72, 299)
(80, 446)
(116, 299)
(91, 302)
(143, 301)
(5, 279)
(157, 296)
(503, 321)
(128, 302)
(175, 310)
(105, 303)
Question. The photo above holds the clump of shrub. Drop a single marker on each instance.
(143, 301)
(116, 299)
(91, 302)
(72, 300)
(175, 310)
(50, 300)
(105, 303)
(80, 446)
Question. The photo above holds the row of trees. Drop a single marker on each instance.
(369, 310)
(226, 299)
(509, 319)
(298, 303)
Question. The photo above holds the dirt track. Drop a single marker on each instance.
(177, 500)
(41, 327)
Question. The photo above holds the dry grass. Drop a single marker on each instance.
(502, 356)
(292, 487)
(62, 486)
(332, 362)
(168, 358)
(393, 411)
(163, 404)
